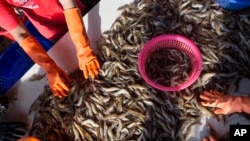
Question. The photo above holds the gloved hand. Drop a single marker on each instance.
(209, 138)
(11, 131)
(57, 78)
(88, 62)
(28, 139)
(224, 104)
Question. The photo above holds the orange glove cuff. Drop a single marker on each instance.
(28, 139)
(36, 52)
(76, 26)
(29, 44)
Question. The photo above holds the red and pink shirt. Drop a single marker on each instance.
(46, 15)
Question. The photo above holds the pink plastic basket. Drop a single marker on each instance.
(171, 41)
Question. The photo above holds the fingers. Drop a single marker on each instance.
(215, 99)
(209, 94)
(56, 93)
(58, 82)
(219, 111)
(209, 104)
(213, 104)
(205, 97)
(205, 139)
(63, 87)
(60, 90)
(210, 98)
(96, 67)
(85, 72)
(211, 138)
(92, 69)
(97, 64)
(207, 100)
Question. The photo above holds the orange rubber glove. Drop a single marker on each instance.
(224, 104)
(56, 76)
(88, 62)
(28, 139)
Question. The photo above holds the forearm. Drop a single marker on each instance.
(10, 22)
(19, 33)
(75, 23)
(67, 4)
(245, 104)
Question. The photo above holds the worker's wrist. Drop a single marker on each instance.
(244, 103)
(68, 4)
(238, 104)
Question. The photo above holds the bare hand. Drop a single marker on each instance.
(224, 104)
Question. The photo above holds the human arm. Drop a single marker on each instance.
(225, 104)
(87, 60)
(56, 77)
(68, 4)
(9, 21)
(209, 138)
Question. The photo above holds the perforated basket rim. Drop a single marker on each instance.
(195, 69)
(240, 2)
(233, 4)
